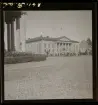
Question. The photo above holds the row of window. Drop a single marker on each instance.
(31, 45)
(45, 44)
(64, 44)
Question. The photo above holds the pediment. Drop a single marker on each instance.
(64, 39)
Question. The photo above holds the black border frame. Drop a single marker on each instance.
(54, 6)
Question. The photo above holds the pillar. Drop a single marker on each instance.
(12, 36)
(23, 32)
(71, 47)
(15, 35)
(59, 48)
(75, 48)
(18, 48)
(65, 46)
(42, 47)
(8, 36)
(68, 47)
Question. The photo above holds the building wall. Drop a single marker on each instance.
(75, 48)
(40, 47)
(49, 45)
(34, 47)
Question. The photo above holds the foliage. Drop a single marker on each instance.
(47, 51)
(89, 41)
(15, 54)
(21, 57)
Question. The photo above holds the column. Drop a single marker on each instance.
(18, 48)
(42, 47)
(15, 35)
(12, 36)
(59, 48)
(68, 47)
(8, 37)
(55, 49)
(65, 46)
(71, 47)
(75, 48)
(23, 31)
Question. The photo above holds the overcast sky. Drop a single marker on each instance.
(76, 25)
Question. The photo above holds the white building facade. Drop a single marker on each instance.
(54, 46)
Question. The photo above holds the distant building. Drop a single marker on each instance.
(52, 46)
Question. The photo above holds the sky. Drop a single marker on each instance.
(76, 25)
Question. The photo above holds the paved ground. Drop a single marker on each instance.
(55, 78)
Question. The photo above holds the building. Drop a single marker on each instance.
(52, 46)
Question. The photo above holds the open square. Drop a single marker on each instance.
(55, 78)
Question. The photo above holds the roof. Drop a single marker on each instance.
(74, 41)
(49, 39)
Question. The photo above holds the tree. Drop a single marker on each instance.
(47, 51)
(89, 51)
(89, 41)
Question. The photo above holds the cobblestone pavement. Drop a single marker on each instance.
(55, 78)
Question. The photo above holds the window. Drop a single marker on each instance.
(57, 44)
(60, 44)
(69, 44)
